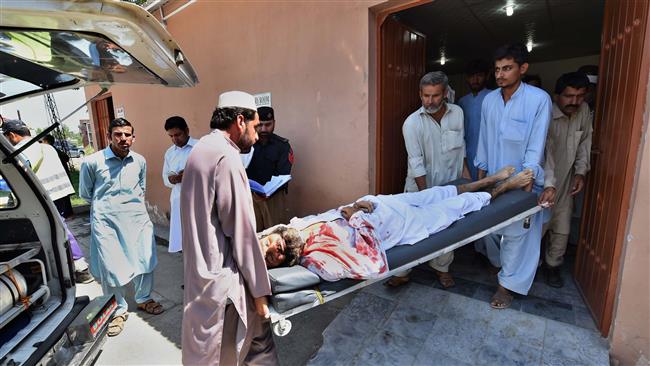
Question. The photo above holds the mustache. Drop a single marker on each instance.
(571, 106)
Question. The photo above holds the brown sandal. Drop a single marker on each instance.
(445, 279)
(397, 281)
(116, 325)
(151, 307)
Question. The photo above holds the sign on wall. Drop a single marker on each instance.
(119, 112)
(263, 100)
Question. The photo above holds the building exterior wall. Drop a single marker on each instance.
(311, 56)
(314, 58)
(630, 340)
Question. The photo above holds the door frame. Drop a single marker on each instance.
(101, 132)
(378, 15)
(632, 170)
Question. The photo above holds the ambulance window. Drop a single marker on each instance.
(7, 198)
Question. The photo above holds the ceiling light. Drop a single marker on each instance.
(443, 60)
(529, 45)
(510, 9)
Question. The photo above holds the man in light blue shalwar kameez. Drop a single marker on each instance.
(122, 245)
(514, 121)
(476, 74)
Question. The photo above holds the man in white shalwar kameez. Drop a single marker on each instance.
(172, 174)
(435, 144)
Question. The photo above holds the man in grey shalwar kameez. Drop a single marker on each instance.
(225, 317)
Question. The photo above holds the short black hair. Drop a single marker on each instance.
(119, 122)
(575, 79)
(175, 122)
(515, 51)
(49, 139)
(222, 118)
(477, 66)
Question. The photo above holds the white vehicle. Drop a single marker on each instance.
(47, 46)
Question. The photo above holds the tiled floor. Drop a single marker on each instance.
(474, 280)
(423, 325)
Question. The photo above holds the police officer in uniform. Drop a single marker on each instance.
(272, 155)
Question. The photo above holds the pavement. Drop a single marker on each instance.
(156, 339)
(416, 324)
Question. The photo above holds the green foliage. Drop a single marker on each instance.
(75, 199)
(138, 2)
(73, 137)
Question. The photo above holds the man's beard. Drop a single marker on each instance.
(244, 143)
(435, 109)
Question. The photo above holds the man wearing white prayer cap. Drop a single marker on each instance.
(225, 316)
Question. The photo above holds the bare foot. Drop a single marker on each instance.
(501, 299)
(504, 173)
(517, 181)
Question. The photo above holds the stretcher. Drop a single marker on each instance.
(511, 207)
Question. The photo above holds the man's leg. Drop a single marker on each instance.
(489, 246)
(143, 285)
(228, 354)
(262, 348)
(441, 266)
(519, 260)
(558, 228)
(428, 196)
(116, 325)
(119, 291)
(175, 232)
(277, 208)
(262, 214)
(81, 272)
(488, 181)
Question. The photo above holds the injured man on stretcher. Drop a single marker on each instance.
(351, 241)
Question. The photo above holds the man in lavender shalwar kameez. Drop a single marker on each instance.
(225, 317)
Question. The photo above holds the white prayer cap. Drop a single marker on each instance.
(237, 99)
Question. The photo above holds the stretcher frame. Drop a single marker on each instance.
(281, 324)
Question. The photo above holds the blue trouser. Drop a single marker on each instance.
(143, 285)
(489, 247)
(520, 254)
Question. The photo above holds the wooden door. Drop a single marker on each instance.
(103, 114)
(401, 65)
(622, 91)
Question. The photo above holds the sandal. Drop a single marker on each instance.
(502, 299)
(445, 279)
(151, 307)
(116, 325)
(397, 281)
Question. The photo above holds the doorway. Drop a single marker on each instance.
(103, 114)
(562, 36)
